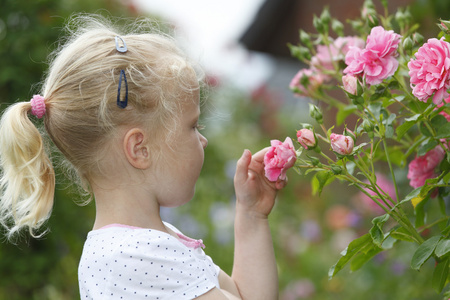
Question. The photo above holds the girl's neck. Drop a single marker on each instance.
(127, 205)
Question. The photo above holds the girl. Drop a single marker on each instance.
(124, 110)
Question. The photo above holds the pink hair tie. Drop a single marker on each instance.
(38, 106)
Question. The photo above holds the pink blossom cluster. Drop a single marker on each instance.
(376, 61)
(424, 167)
(324, 60)
(430, 71)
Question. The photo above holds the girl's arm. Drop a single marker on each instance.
(254, 270)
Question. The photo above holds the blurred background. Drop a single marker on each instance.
(242, 45)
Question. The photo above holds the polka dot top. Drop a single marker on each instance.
(121, 262)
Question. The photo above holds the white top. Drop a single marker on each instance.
(121, 262)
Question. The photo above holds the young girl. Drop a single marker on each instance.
(123, 109)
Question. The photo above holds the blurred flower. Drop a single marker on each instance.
(429, 71)
(306, 138)
(311, 231)
(340, 217)
(367, 204)
(398, 268)
(336, 51)
(376, 61)
(280, 157)
(423, 167)
(299, 289)
(341, 144)
(350, 83)
(306, 82)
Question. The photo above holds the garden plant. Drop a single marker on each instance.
(386, 91)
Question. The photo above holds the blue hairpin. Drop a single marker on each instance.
(124, 103)
(121, 48)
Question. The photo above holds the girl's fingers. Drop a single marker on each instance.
(242, 166)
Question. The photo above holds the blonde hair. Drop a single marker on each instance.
(82, 116)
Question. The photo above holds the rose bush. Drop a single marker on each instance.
(394, 108)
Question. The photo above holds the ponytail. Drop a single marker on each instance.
(27, 179)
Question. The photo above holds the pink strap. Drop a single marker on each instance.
(191, 243)
(38, 106)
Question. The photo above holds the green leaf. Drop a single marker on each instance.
(389, 132)
(443, 131)
(442, 248)
(375, 108)
(320, 180)
(362, 257)
(353, 248)
(424, 252)
(424, 148)
(440, 275)
(402, 129)
(424, 130)
(419, 209)
(376, 232)
(402, 234)
(438, 121)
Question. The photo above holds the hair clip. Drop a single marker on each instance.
(121, 48)
(124, 103)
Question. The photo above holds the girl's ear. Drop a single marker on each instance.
(136, 148)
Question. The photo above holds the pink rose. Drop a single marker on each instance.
(423, 167)
(335, 52)
(306, 82)
(279, 158)
(382, 42)
(377, 60)
(429, 71)
(368, 204)
(306, 138)
(350, 83)
(341, 144)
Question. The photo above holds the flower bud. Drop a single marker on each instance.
(325, 17)
(350, 84)
(368, 128)
(305, 39)
(318, 24)
(408, 16)
(341, 144)
(306, 138)
(444, 26)
(336, 169)
(408, 43)
(418, 38)
(400, 17)
(314, 160)
(315, 113)
(373, 20)
(337, 27)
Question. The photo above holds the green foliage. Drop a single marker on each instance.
(388, 125)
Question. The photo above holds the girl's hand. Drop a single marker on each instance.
(254, 192)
